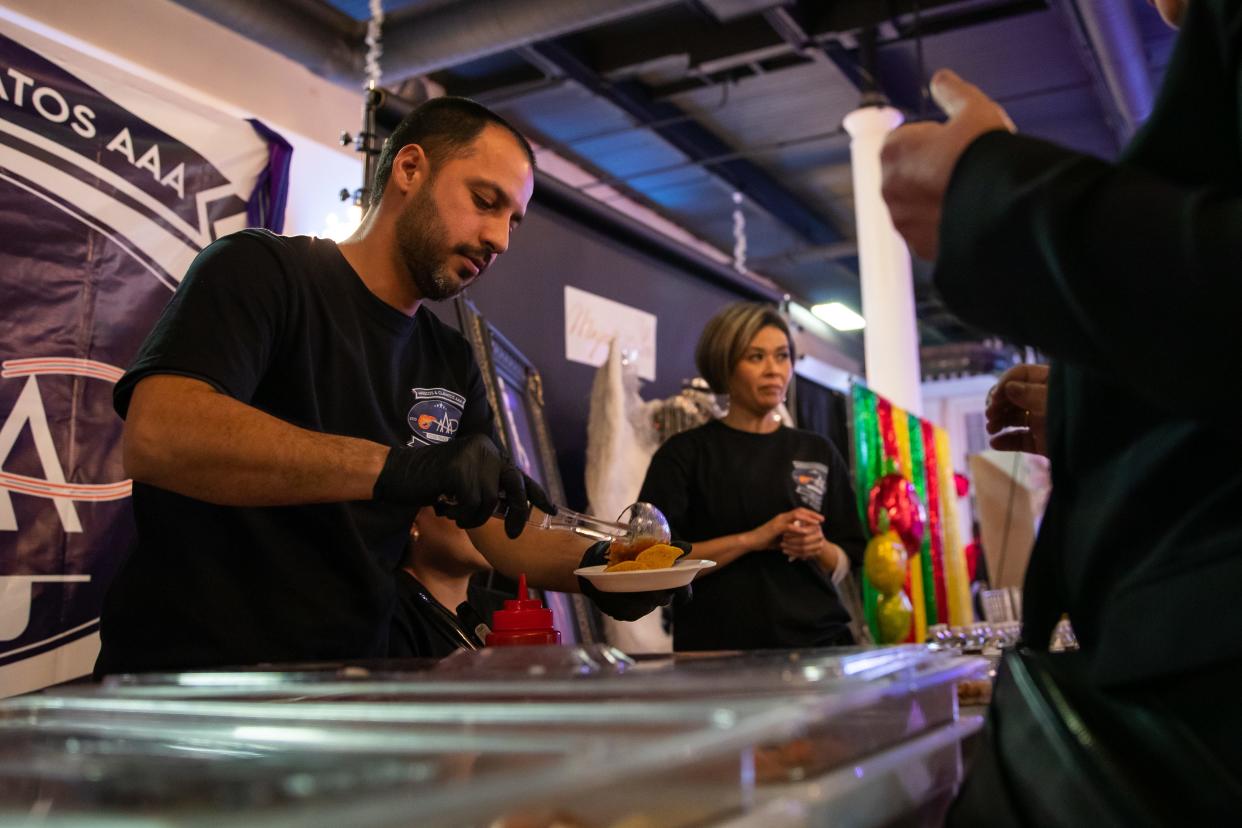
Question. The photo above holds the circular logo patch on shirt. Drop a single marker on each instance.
(435, 416)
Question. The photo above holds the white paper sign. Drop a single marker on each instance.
(591, 322)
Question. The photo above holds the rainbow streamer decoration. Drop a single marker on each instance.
(885, 439)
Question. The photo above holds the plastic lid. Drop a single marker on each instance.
(522, 613)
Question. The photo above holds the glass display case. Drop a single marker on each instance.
(551, 736)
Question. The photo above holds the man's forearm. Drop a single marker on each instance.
(548, 558)
(184, 436)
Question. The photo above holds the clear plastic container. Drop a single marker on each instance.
(681, 741)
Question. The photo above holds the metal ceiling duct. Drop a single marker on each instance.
(325, 41)
(329, 43)
(728, 10)
(1117, 45)
(474, 29)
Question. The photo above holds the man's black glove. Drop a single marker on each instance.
(629, 606)
(465, 479)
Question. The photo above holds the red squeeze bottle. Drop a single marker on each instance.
(522, 622)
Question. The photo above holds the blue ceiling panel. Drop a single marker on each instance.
(1069, 117)
(361, 9)
(1012, 57)
(701, 121)
(490, 66)
(639, 157)
(583, 126)
(677, 108)
(565, 113)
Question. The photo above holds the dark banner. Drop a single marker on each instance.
(109, 185)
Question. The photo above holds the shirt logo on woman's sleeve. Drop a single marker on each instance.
(810, 481)
(435, 415)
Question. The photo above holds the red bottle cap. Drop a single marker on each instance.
(522, 614)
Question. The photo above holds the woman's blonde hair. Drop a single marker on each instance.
(726, 336)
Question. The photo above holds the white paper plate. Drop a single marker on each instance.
(644, 580)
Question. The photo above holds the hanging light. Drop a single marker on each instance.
(374, 43)
(839, 316)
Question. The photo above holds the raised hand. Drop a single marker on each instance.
(918, 159)
(1018, 407)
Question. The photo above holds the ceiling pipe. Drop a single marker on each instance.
(466, 31)
(818, 253)
(329, 43)
(1117, 59)
(325, 41)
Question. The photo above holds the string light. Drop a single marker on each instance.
(739, 234)
(374, 47)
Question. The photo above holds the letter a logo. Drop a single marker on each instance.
(29, 411)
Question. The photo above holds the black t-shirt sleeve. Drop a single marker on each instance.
(221, 326)
(667, 484)
(841, 524)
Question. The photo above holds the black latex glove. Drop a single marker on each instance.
(467, 480)
(629, 606)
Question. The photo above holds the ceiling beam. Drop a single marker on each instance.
(572, 202)
(819, 253)
(795, 33)
(521, 75)
(330, 43)
(323, 39)
(709, 47)
(894, 72)
(1111, 49)
(965, 16)
(696, 142)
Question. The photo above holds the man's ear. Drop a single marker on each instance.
(409, 168)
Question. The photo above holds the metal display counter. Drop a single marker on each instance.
(513, 737)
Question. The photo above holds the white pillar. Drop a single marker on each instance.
(891, 338)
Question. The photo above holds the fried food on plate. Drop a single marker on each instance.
(657, 556)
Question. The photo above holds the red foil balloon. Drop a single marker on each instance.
(961, 483)
(894, 504)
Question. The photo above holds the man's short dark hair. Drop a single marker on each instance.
(444, 127)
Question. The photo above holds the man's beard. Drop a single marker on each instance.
(421, 237)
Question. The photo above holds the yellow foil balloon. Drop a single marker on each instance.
(884, 563)
(892, 614)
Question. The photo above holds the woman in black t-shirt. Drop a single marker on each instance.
(772, 505)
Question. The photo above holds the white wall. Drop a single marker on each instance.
(316, 175)
(950, 404)
(200, 59)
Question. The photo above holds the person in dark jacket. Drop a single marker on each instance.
(1126, 273)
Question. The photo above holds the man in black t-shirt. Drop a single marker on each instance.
(295, 406)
